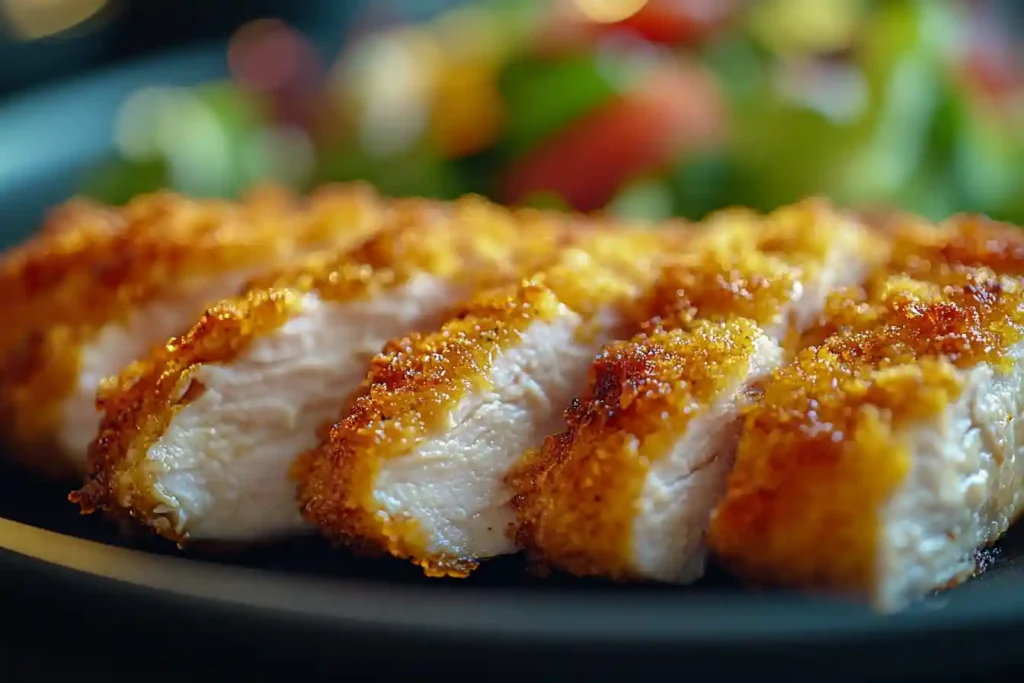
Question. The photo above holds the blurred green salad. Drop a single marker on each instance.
(644, 109)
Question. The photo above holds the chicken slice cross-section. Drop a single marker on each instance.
(197, 438)
(881, 459)
(98, 286)
(416, 467)
(626, 491)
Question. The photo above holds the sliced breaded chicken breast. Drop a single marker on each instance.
(929, 251)
(416, 467)
(198, 438)
(626, 491)
(923, 251)
(879, 461)
(98, 286)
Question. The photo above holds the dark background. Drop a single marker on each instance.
(127, 29)
(132, 28)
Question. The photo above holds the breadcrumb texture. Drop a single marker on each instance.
(471, 241)
(923, 252)
(822, 453)
(139, 404)
(416, 384)
(803, 233)
(725, 276)
(577, 497)
(93, 265)
(931, 252)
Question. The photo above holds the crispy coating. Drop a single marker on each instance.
(139, 404)
(822, 453)
(414, 386)
(577, 497)
(803, 232)
(925, 253)
(470, 241)
(721, 286)
(930, 252)
(93, 265)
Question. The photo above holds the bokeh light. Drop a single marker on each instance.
(609, 11)
(33, 19)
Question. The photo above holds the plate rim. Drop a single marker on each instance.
(544, 616)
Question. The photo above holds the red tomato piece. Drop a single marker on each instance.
(675, 109)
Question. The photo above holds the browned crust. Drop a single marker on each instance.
(470, 241)
(140, 404)
(925, 252)
(719, 286)
(415, 385)
(37, 372)
(412, 387)
(803, 231)
(823, 452)
(931, 252)
(577, 497)
(92, 265)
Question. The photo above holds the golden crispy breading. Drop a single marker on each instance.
(415, 385)
(718, 285)
(822, 453)
(930, 252)
(139, 404)
(471, 242)
(577, 497)
(805, 230)
(925, 253)
(810, 235)
(470, 238)
(91, 266)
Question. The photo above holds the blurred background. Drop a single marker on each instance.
(639, 108)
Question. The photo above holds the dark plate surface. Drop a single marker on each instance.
(303, 600)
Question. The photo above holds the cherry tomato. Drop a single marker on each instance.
(676, 108)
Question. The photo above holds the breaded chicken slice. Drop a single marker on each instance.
(416, 467)
(198, 438)
(928, 251)
(98, 286)
(625, 492)
(923, 251)
(879, 461)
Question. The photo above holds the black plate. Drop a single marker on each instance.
(306, 601)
